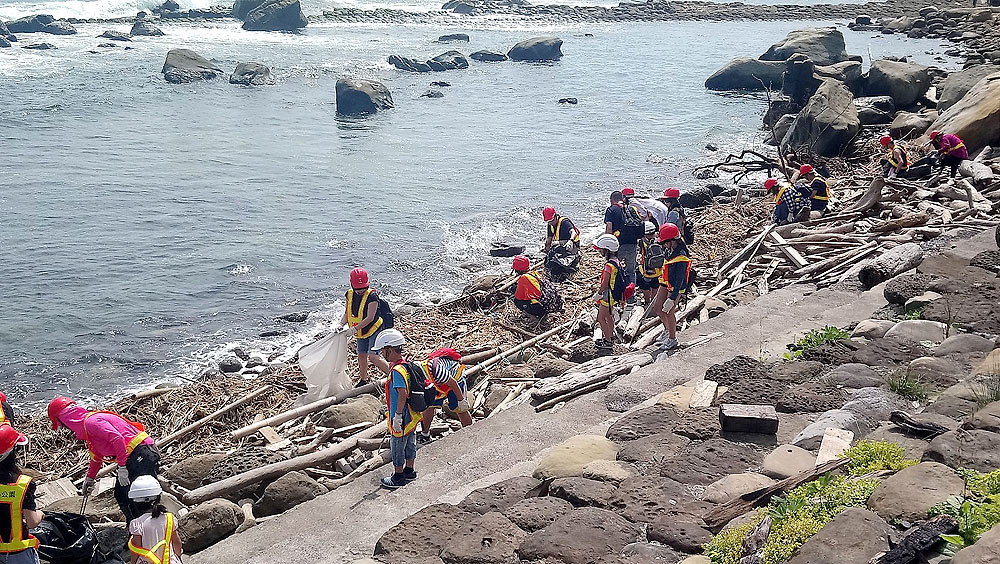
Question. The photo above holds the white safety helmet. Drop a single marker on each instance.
(388, 338)
(649, 227)
(144, 488)
(607, 241)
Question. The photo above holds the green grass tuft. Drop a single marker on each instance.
(876, 456)
(906, 385)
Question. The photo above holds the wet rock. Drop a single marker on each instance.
(535, 513)
(910, 493)
(230, 364)
(854, 375)
(208, 523)
(145, 28)
(974, 117)
(412, 539)
(240, 353)
(184, 65)
(985, 551)
(537, 49)
(240, 461)
(488, 57)
(499, 496)
(454, 37)
(432, 94)
(286, 492)
(855, 536)
(904, 82)
(39, 46)
(685, 533)
(6, 34)
(644, 422)
(581, 536)
(647, 451)
(908, 124)
(611, 471)
(276, 15)
(364, 408)
(976, 449)
(730, 487)
(827, 123)
(918, 330)
(938, 373)
(570, 101)
(582, 492)
(191, 472)
(242, 8)
(824, 46)
(30, 24)
(958, 84)
(488, 539)
(696, 197)
(251, 74)
(449, 60)
(643, 499)
(115, 36)
(787, 461)
(708, 461)
(409, 65)
(361, 97)
(506, 250)
(742, 73)
(4, 42)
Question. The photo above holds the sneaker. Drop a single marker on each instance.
(393, 482)
(423, 438)
(409, 474)
(663, 336)
(669, 344)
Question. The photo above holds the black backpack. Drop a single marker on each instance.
(652, 257)
(418, 392)
(632, 218)
(384, 312)
(618, 289)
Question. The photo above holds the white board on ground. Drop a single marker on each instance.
(324, 364)
(47, 493)
(704, 394)
(835, 442)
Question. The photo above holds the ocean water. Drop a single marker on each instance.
(146, 227)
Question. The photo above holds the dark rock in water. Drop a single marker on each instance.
(60, 27)
(145, 28)
(254, 362)
(360, 97)
(453, 37)
(488, 57)
(697, 197)
(297, 317)
(706, 174)
(440, 84)
(242, 8)
(169, 6)
(742, 73)
(39, 46)
(240, 353)
(863, 20)
(272, 333)
(407, 64)
(502, 250)
(449, 60)
(711, 147)
(824, 46)
(432, 94)
(184, 65)
(6, 35)
(572, 101)
(250, 74)
(828, 122)
(230, 364)
(116, 36)
(537, 49)
(276, 15)
(30, 24)
(107, 45)
(4, 42)
(717, 189)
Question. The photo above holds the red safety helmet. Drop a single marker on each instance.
(669, 231)
(3, 397)
(521, 263)
(770, 183)
(55, 408)
(548, 213)
(805, 169)
(885, 140)
(672, 193)
(10, 438)
(935, 134)
(359, 278)
(628, 192)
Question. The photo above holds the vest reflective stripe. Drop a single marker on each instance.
(150, 554)
(536, 282)
(442, 390)
(825, 185)
(554, 232)
(611, 301)
(665, 279)
(3, 416)
(414, 416)
(13, 496)
(136, 440)
(642, 264)
(955, 148)
(781, 192)
(354, 318)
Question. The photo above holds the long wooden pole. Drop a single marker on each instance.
(514, 350)
(303, 410)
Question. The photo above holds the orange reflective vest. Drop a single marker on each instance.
(665, 278)
(415, 417)
(137, 440)
(356, 315)
(554, 232)
(531, 290)
(12, 495)
(891, 159)
(164, 545)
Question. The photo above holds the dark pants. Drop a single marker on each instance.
(144, 461)
(953, 162)
(530, 308)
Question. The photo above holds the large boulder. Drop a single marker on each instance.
(364, 408)
(448, 60)
(488, 57)
(537, 49)
(184, 65)
(976, 117)
(412, 540)
(742, 73)
(276, 15)
(976, 449)
(143, 27)
(581, 536)
(6, 34)
(985, 551)
(242, 8)
(191, 471)
(487, 539)
(697, 197)
(59, 27)
(408, 64)
(824, 46)
(855, 536)
(535, 513)
(904, 82)
(958, 84)
(286, 492)
(909, 124)
(875, 109)
(208, 523)
(250, 74)
(910, 493)
(357, 96)
(240, 461)
(500, 496)
(569, 457)
(918, 330)
(828, 122)
(33, 24)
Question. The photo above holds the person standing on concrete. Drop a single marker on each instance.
(364, 311)
(444, 370)
(650, 264)
(626, 224)
(613, 291)
(674, 282)
(18, 511)
(400, 398)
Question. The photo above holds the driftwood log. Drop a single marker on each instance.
(597, 370)
(912, 547)
(871, 198)
(303, 410)
(893, 262)
(908, 220)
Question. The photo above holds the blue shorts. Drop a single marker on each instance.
(365, 345)
(403, 448)
(451, 397)
(644, 283)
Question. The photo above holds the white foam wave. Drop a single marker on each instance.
(89, 8)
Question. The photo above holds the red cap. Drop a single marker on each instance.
(521, 263)
(669, 231)
(885, 140)
(770, 183)
(672, 193)
(55, 408)
(10, 438)
(3, 396)
(359, 278)
(628, 192)
(548, 213)
(805, 169)
(935, 134)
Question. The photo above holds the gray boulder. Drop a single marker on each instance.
(537, 49)
(486, 539)
(362, 409)
(357, 96)
(454, 37)
(827, 123)
(146, 28)
(39, 46)
(115, 36)
(184, 65)
(875, 109)
(250, 74)
(6, 34)
(958, 84)
(59, 27)
(697, 197)
(407, 64)
(848, 72)
(909, 124)
(904, 82)
(286, 492)
(742, 73)
(825, 46)
(242, 8)
(30, 24)
(976, 117)
(208, 523)
(534, 513)
(582, 535)
(855, 536)
(985, 551)
(449, 60)
(976, 449)
(276, 15)
(4, 42)
(488, 57)
(910, 493)
(191, 472)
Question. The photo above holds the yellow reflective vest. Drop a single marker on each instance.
(356, 315)
(12, 495)
(160, 552)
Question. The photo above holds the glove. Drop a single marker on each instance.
(397, 423)
(463, 405)
(668, 305)
(123, 476)
(88, 486)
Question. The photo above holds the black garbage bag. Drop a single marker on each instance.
(562, 260)
(65, 538)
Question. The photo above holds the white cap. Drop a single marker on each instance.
(144, 488)
(388, 338)
(607, 241)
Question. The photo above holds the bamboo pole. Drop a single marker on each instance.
(514, 350)
(303, 410)
(573, 394)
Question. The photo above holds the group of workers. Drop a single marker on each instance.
(109, 437)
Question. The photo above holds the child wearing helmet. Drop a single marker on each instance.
(650, 263)
(154, 538)
(444, 372)
(613, 289)
(17, 494)
(528, 289)
(362, 311)
(403, 414)
(673, 282)
(819, 188)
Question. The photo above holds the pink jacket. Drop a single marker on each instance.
(949, 141)
(106, 435)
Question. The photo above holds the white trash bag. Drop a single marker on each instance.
(324, 364)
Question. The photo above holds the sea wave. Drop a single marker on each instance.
(89, 9)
